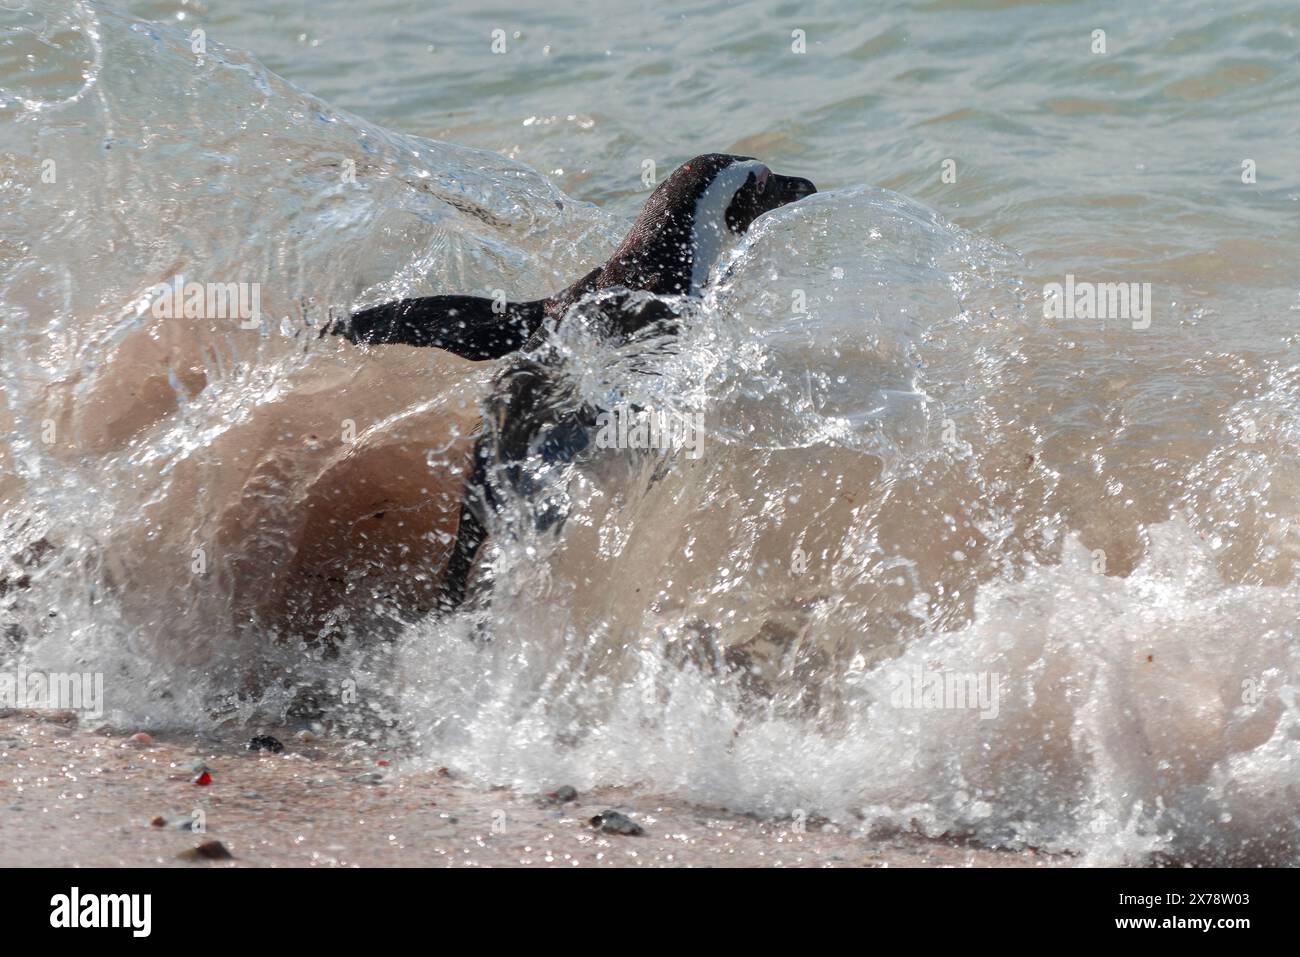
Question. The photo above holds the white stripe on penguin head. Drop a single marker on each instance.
(709, 228)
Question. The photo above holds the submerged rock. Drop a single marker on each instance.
(562, 795)
(612, 822)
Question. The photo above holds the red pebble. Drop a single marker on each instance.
(382, 763)
(203, 780)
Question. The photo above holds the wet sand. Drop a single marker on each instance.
(70, 797)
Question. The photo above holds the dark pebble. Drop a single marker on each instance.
(562, 795)
(612, 822)
(207, 851)
(264, 742)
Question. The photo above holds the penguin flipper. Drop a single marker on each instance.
(471, 327)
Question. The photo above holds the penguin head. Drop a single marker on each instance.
(690, 217)
(732, 191)
(760, 192)
(720, 196)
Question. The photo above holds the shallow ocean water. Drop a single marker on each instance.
(914, 473)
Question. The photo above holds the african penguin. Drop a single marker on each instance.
(670, 251)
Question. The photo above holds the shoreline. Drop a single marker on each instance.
(74, 798)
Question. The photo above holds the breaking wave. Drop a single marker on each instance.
(908, 485)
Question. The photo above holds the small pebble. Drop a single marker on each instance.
(562, 795)
(370, 777)
(140, 739)
(306, 737)
(203, 779)
(158, 821)
(612, 822)
(207, 851)
(264, 742)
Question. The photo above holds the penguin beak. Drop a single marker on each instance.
(789, 189)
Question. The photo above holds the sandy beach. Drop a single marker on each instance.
(70, 797)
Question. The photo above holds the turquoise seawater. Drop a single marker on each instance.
(1125, 161)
